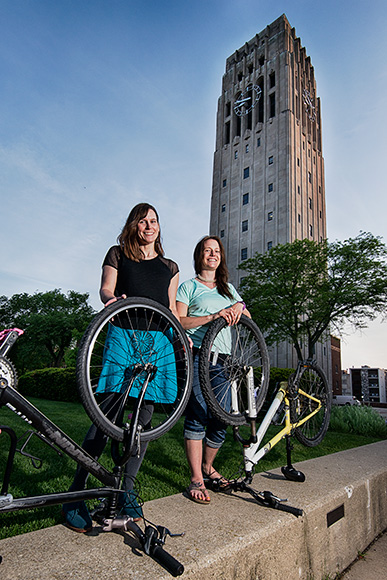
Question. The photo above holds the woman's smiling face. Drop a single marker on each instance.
(148, 228)
(211, 255)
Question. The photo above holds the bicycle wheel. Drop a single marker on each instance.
(135, 349)
(230, 358)
(312, 389)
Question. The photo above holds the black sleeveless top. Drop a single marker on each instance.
(148, 278)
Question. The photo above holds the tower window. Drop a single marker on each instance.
(224, 182)
(223, 207)
(311, 230)
(272, 80)
(298, 189)
(270, 216)
(238, 126)
(227, 133)
(258, 141)
(228, 109)
(270, 187)
(269, 245)
(272, 105)
(245, 225)
(236, 155)
(310, 177)
(299, 218)
(245, 199)
(243, 254)
(271, 160)
(310, 203)
(222, 233)
(246, 172)
(247, 148)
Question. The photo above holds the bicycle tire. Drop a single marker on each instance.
(247, 350)
(312, 382)
(128, 335)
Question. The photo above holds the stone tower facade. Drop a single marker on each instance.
(268, 176)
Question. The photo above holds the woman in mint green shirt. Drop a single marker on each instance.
(199, 301)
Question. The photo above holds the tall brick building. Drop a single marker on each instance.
(268, 177)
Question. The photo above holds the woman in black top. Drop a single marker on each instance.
(136, 267)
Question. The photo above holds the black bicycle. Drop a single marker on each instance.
(134, 356)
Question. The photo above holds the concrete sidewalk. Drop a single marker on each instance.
(371, 564)
(344, 499)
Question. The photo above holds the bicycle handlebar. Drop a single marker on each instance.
(272, 501)
(151, 540)
(290, 509)
(266, 498)
(168, 562)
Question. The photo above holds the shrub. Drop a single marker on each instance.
(52, 383)
(360, 420)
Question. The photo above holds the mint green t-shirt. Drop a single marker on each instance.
(202, 301)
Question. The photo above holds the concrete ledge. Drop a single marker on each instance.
(232, 538)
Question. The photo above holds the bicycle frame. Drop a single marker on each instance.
(252, 452)
(18, 404)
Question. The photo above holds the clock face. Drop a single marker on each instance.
(309, 106)
(247, 100)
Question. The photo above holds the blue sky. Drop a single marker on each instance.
(105, 103)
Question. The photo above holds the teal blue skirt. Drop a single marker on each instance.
(125, 348)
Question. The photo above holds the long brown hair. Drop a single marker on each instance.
(128, 238)
(221, 273)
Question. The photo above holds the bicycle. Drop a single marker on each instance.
(134, 356)
(303, 403)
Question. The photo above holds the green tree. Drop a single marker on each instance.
(53, 323)
(300, 291)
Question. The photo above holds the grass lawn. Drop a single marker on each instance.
(164, 470)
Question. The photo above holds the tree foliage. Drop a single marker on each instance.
(53, 323)
(301, 290)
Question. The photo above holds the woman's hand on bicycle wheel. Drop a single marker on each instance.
(114, 299)
(232, 314)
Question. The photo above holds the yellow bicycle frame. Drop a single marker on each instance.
(252, 453)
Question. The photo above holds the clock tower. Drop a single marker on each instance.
(268, 175)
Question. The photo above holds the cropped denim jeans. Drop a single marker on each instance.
(199, 423)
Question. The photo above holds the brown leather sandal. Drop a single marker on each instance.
(198, 486)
